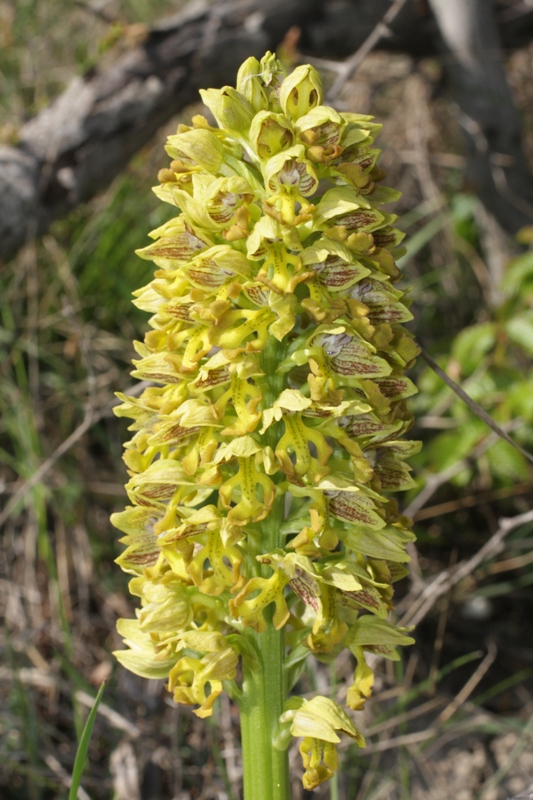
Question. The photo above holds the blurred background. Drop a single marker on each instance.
(89, 91)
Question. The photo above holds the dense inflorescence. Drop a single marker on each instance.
(278, 355)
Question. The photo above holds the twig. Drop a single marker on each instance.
(505, 566)
(440, 478)
(450, 577)
(30, 676)
(400, 741)
(472, 500)
(478, 411)
(47, 465)
(441, 630)
(407, 716)
(348, 67)
(469, 686)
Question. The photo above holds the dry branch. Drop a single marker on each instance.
(74, 148)
(429, 594)
(438, 479)
(91, 417)
(381, 31)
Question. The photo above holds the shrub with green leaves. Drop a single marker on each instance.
(492, 360)
(261, 530)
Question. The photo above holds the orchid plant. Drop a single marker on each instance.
(261, 530)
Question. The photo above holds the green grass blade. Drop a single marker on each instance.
(83, 747)
(423, 236)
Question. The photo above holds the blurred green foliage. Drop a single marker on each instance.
(492, 361)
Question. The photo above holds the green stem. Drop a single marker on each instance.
(334, 781)
(265, 769)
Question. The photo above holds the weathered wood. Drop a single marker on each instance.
(497, 168)
(74, 148)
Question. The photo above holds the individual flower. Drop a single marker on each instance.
(319, 721)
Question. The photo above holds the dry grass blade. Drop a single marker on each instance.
(47, 465)
(125, 772)
(523, 741)
(469, 686)
(440, 478)
(446, 580)
(471, 500)
(400, 741)
(52, 762)
(406, 716)
(90, 419)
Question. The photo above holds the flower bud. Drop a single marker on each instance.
(270, 133)
(272, 70)
(196, 148)
(250, 84)
(229, 107)
(272, 73)
(301, 91)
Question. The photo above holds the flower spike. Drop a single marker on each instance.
(267, 444)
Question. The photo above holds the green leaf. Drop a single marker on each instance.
(520, 330)
(294, 664)
(463, 210)
(247, 649)
(452, 446)
(506, 462)
(419, 240)
(83, 747)
(472, 344)
(377, 635)
(518, 274)
(520, 399)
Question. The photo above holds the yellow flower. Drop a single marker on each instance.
(188, 679)
(301, 91)
(230, 108)
(318, 721)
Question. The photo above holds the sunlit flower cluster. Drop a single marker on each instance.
(276, 360)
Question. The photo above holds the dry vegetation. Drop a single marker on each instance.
(455, 718)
